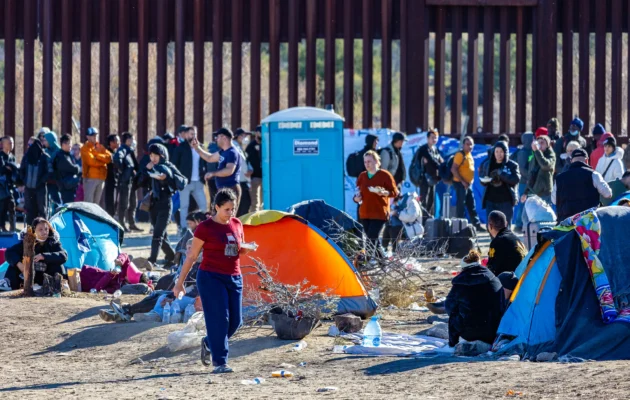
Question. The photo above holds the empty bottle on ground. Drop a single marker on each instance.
(166, 314)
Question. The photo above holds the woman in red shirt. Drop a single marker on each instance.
(374, 188)
(219, 279)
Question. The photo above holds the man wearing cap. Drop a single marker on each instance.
(579, 188)
(95, 159)
(229, 168)
(392, 160)
(189, 163)
(254, 170)
(574, 134)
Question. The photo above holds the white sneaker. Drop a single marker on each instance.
(5, 285)
(151, 316)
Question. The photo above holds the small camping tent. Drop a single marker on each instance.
(561, 304)
(88, 234)
(298, 250)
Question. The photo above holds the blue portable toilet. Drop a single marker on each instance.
(302, 157)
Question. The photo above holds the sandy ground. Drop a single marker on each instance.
(60, 348)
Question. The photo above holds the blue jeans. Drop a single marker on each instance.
(466, 198)
(222, 300)
(506, 208)
(520, 207)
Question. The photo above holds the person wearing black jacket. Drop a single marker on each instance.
(67, 172)
(254, 170)
(34, 174)
(8, 175)
(504, 176)
(430, 160)
(506, 250)
(49, 255)
(111, 182)
(475, 304)
(193, 167)
(125, 161)
(164, 179)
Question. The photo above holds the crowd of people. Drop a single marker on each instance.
(55, 171)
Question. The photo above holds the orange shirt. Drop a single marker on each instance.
(375, 206)
(95, 160)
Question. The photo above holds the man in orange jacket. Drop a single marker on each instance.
(95, 159)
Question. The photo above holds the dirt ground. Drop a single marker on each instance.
(60, 348)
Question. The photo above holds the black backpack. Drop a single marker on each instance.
(354, 164)
(416, 170)
(445, 169)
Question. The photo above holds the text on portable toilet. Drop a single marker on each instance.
(305, 147)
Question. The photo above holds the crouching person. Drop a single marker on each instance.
(475, 303)
(49, 256)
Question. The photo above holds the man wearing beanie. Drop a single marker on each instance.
(574, 134)
(541, 169)
(392, 160)
(610, 165)
(554, 131)
(579, 188)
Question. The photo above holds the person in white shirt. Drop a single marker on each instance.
(193, 167)
(610, 165)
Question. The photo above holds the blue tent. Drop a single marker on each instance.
(89, 235)
(555, 307)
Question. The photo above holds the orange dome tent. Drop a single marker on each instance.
(298, 250)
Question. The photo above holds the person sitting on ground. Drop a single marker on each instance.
(193, 219)
(509, 281)
(475, 303)
(151, 308)
(506, 250)
(49, 256)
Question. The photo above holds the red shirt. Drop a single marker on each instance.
(217, 240)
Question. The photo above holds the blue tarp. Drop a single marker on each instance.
(89, 235)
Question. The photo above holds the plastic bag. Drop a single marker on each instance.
(539, 211)
(188, 337)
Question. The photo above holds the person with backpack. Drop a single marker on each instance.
(424, 170)
(500, 176)
(354, 163)
(463, 170)
(34, 174)
(392, 159)
(165, 180)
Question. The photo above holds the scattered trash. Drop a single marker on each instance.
(190, 310)
(282, 374)
(514, 357)
(93, 291)
(327, 389)
(454, 273)
(375, 294)
(255, 381)
(299, 346)
(302, 364)
(286, 366)
(429, 296)
(513, 393)
(414, 267)
(117, 294)
(545, 357)
(137, 361)
(416, 307)
(57, 295)
(189, 336)
(438, 269)
(333, 331)
(340, 349)
(391, 307)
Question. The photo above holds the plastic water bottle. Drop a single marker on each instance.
(255, 381)
(176, 316)
(93, 291)
(190, 310)
(299, 346)
(372, 333)
(166, 314)
(117, 294)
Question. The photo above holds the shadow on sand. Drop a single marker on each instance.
(99, 335)
(90, 312)
(48, 386)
